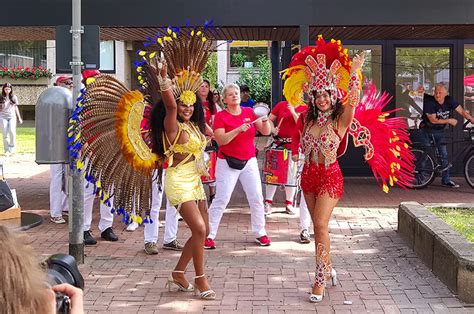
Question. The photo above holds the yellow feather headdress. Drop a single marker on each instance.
(186, 54)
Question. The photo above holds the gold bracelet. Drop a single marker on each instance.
(165, 84)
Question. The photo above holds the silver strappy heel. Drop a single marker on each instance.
(171, 281)
(205, 295)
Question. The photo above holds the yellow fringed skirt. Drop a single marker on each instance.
(183, 184)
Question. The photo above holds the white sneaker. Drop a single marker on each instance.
(58, 220)
(268, 208)
(132, 226)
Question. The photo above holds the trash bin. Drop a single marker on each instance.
(53, 108)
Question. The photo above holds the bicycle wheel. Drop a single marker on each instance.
(424, 169)
(469, 170)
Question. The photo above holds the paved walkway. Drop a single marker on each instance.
(377, 272)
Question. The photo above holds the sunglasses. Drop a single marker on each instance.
(216, 94)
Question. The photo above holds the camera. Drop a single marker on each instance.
(62, 268)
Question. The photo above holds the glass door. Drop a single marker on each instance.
(417, 71)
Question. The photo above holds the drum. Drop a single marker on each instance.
(278, 168)
(261, 109)
(212, 151)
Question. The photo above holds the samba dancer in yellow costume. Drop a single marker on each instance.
(183, 144)
(177, 134)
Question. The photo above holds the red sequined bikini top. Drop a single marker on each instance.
(327, 143)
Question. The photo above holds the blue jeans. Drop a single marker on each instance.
(8, 128)
(440, 140)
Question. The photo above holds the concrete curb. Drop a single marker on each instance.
(449, 256)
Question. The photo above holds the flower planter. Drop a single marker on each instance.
(44, 81)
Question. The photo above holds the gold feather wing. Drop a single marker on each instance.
(106, 142)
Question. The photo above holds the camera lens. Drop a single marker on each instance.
(62, 268)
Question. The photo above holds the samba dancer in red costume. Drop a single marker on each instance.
(332, 82)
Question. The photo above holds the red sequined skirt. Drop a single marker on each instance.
(316, 179)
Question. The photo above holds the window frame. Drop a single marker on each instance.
(114, 57)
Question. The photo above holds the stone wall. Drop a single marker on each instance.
(449, 255)
(27, 91)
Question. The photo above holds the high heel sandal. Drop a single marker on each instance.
(205, 295)
(323, 271)
(333, 277)
(181, 288)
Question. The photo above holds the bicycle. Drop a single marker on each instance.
(428, 160)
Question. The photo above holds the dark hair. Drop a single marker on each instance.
(157, 119)
(313, 111)
(244, 88)
(11, 96)
(210, 99)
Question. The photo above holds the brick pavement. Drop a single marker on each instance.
(376, 270)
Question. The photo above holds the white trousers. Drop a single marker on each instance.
(270, 190)
(226, 179)
(9, 128)
(106, 216)
(171, 218)
(57, 195)
(58, 200)
(305, 217)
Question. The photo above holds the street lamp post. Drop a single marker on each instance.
(76, 185)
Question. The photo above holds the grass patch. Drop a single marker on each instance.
(25, 140)
(461, 219)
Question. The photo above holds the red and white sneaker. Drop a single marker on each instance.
(209, 244)
(263, 241)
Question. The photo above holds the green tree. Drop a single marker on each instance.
(259, 79)
(422, 62)
(468, 61)
(210, 71)
(237, 59)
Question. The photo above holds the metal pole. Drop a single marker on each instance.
(304, 36)
(76, 192)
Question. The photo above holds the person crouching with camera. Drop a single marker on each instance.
(23, 284)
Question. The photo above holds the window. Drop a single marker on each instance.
(26, 54)
(417, 71)
(469, 78)
(372, 69)
(107, 56)
(245, 53)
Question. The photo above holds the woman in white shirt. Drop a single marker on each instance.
(8, 115)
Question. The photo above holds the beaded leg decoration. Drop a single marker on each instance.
(323, 272)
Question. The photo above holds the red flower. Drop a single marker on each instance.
(25, 73)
